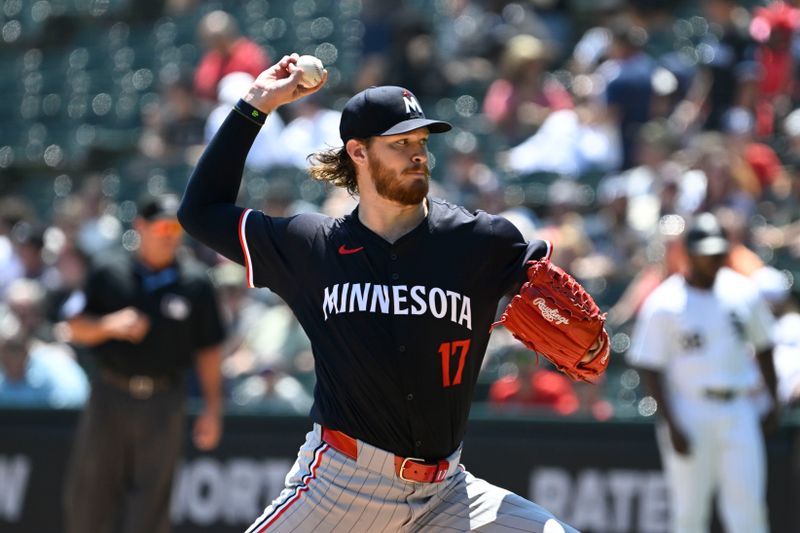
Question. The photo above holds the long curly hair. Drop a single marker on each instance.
(335, 167)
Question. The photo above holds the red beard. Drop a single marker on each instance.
(409, 190)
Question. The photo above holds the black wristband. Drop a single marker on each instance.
(250, 113)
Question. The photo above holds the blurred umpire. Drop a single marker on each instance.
(148, 317)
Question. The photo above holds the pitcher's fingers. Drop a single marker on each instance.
(286, 61)
(310, 90)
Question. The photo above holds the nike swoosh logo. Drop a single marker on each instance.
(346, 251)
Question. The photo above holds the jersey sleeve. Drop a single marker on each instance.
(760, 324)
(277, 250)
(513, 253)
(208, 210)
(651, 338)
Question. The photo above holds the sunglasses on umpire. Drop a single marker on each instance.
(166, 228)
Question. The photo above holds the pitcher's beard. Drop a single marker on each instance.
(409, 190)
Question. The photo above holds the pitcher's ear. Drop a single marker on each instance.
(357, 150)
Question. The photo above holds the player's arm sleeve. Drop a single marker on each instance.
(651, 339)
(208, 210)
(513, 253)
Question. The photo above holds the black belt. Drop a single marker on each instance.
(722, 395)
(139, 386)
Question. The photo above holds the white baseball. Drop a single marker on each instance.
(312, 70)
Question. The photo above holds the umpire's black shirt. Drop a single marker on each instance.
(398, 330)
(179, 301)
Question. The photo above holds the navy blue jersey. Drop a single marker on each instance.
(398, 330)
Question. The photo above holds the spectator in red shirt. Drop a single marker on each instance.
(773, 27)
(228, 51)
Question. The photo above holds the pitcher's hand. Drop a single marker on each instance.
(279, 85)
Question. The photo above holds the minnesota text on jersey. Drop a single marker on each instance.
(397, 300)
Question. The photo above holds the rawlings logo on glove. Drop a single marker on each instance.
(549, 313)
(555, 317)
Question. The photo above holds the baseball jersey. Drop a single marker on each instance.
(398, 330)
(703, 339)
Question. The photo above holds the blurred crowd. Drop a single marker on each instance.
(601, 126)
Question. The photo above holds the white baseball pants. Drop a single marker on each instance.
(726, 455)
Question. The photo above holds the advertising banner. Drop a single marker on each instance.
(599, 477)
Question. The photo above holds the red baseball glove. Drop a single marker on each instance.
(555, 317)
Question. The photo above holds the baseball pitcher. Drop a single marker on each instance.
(398, 298)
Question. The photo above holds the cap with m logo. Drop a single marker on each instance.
(385, 110)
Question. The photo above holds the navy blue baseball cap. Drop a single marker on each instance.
(385, 110)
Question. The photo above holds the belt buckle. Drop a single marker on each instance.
(403, 467)
(141, 387)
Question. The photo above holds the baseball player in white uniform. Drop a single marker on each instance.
(694, 343)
